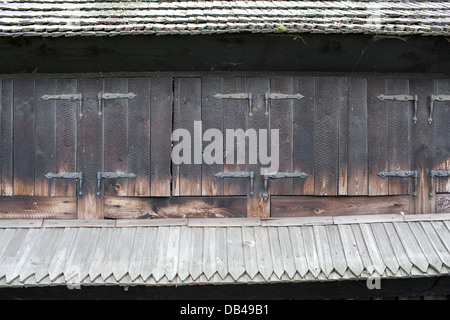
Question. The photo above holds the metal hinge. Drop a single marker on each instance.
(402, 174)
(280, 175)
(439, 174)
(68, 175)
(279, 96)
(440, 97)
(403, 97)
(238, 96)
(238, 174)
(67, 97)
(111, 175)
(109, 96)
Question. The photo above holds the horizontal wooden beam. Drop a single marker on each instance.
(38, 207)
(334, 206)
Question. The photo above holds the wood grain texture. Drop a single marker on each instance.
(6, 138)
(38, 207)
(442, 135)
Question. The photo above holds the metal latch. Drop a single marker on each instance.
(238, 174)
(402, 174)
(439, 174)
(111, 175)
(67, 97)
(68, 175)
(109, 96)
(279, 96)
(238, 96)
(440, 97)
(281, 175)
(403, 97)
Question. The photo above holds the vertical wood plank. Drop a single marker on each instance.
(212, 118)
(442, 135)
(90, 147)
(6, 138)
(326, 135)
(235, 113)
(187, 110)
(303, 135)
(161, 130)
(115, 137)
(24, 108)
(66, 137)
(423, 145)
(45, 138)
(256, 206)
(343, 123)
(377, 136)
(398, 128)
(139, 137)
(281, 118)
(357, 138)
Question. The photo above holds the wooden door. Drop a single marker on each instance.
(38, 138)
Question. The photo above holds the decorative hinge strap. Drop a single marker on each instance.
(67, 97)
(402, 174)
(440, 97)
(280, 175)
(238, 174)
(111, 175)
(238, 96)
(279, 96)
(402, 97)
(109, 96)
(68, 175)
(439, 174)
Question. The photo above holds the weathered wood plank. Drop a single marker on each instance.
(212, 119)
(96, 265)
(426, 246)
(323, 249)
(196, 253)
(357, 138)
(121, 261)
(187, 175)
(275, 251)
(110, 254)
(286, 251)
(442, 135)
(250, 257)
(443, 203)
(398, 248)
(182, 207)
(209, 252)
(24, 112)
(161, 245)
(438, 245)
(336, 249)
(161, 131)
(172, 253)
(412, 247)
(362, 248)
(139, 127)
(221, 252)
(384, 246)
(326, 137)
(45, 138)
(38, 207)
(313, 206)
(303, 135)
(235, 252)
(311, 251)
(350, 249)
(265, 265)
(343, 129)
(183, 257)
(377, 136)
(147, 258)
(62, 253)
(298, 250)
(6, 138)
(372, 248)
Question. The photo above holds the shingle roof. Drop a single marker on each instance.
(110, 18)
(222, 251)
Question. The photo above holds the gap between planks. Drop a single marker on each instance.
(220, 222)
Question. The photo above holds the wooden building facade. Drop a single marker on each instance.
(354, 96)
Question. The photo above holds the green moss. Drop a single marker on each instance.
(281, 29)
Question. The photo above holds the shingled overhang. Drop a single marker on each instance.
(54, 18)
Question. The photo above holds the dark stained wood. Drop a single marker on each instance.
(333, 206)
(377, 136)
(187, 177)
(38, 207)
(175, 207)
(67, 115)
(24, 107)
(256, 206)
(303, 135)
(326, 137)
(212, 118)
(423, 145)
(357, 138)
(90, 149)
(161, 130)
(235, 114)
(343, 124)
(139, 127)
(443, 203)
(442, 135)
(399, 120)
(6, 138)
(115, 137)
(281, 118)
(45, 138)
